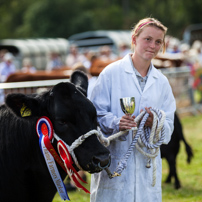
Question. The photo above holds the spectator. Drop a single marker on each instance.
(91, 58)
(54, 62)
(173, 45)
(7, 67)
(197, 47)
(27, 66)
(106, 54)
(2, 53)
(124, 50)
(184, 49)
(74, 56)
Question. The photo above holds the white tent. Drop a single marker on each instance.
(37, 50)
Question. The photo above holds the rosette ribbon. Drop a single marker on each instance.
(45, 132)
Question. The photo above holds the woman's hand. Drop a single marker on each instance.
(149, 121)
(127, 122)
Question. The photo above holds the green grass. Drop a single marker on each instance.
(190, 175)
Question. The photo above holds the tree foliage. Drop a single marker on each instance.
(62, 18)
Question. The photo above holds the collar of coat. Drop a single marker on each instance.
(129, 68)
(153, 75)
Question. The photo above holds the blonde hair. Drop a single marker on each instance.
(148, 22)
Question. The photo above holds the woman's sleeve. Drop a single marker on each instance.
(101, 98)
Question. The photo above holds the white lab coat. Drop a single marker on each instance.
(116, 81)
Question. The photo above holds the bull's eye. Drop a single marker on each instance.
(62, 122)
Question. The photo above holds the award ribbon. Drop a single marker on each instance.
(45, 132)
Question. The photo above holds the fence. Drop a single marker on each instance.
(181, 82)
(27, 87)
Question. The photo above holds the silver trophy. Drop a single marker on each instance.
(128, 106)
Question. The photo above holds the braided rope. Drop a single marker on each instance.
(142, 138)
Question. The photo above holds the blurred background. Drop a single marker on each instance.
(44, 19)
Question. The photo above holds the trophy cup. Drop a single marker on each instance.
(128, 106)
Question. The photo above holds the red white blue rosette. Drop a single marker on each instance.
(44, 130)
(44, 127)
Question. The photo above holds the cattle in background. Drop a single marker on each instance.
(98, 65)
(63, 73)
(170, 151)
(24, 175)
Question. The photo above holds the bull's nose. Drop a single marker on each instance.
(102, 161)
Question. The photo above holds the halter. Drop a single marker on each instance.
(76, 143)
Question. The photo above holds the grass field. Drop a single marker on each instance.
(190, 175)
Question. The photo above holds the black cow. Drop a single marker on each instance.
(170, 151)
(23, 172)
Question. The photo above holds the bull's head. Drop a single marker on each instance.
(71, 114)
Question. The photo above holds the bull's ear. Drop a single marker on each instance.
(80, 80)
(23, 105)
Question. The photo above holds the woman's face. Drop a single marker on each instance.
(148, 43)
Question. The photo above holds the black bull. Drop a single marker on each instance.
(171, 150)
(23, 173)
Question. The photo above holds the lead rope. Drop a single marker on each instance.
(142, 138)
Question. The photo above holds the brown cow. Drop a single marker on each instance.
(63, 73)
(98, 65)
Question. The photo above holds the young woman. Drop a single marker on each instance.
(132, 76)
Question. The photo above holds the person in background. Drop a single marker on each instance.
(7, 67)
(90, 58)
(132, 76)
(195, 57)
(197, 48)
(2, 53)
(74, 57)
(106, 54)
(54, 62)
(124, 50)
(27, 66)
(172, 44)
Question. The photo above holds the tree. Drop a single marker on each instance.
(49, 18)
(62, 18)
(11, 14)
